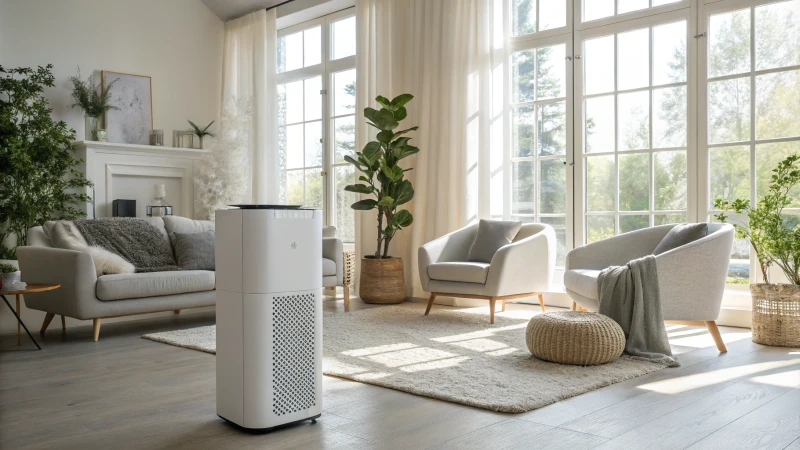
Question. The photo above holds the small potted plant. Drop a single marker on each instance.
(201, 132)
(10, 275)
(382, 279)
(775, 238)
(94, 101)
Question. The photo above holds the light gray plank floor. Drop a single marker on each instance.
(126, 392)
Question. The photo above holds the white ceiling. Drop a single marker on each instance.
(231, 9)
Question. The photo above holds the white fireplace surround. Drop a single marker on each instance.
(126, 171)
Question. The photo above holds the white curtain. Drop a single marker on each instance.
(249, 71)
(432, 50)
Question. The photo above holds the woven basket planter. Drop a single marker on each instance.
(776, 314)
(382, 281)
(572, 337)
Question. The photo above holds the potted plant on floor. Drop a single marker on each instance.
(382, 279)
(775, 238)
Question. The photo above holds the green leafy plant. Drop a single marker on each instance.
(384, 178)
(7, 268)
(39, 180)
(775, 237)
(201, 132)
(90, 97)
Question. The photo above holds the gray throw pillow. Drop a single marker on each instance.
(681, 234)
(194, 251)
(492, 234)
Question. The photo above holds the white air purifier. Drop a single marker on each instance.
(269, 315)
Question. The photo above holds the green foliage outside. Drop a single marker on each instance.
(38, 176)
(384, 178)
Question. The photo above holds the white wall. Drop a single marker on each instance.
(176, 42)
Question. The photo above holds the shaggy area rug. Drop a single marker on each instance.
(452, 354)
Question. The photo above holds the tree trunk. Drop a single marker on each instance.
(380, 233)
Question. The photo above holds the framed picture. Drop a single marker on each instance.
(132, 94)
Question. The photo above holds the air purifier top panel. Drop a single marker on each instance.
(251, 206)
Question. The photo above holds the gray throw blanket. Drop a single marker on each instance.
(629, 294)
(135, 240)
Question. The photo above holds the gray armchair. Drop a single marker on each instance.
(691, 278)
(333, 262)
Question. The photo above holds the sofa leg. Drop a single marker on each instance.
(712, 328)
(491, 309)
(177, 311)
(541, 301)
(346, 291)
(63, 323)
(96, 324)
(574, 306)
(47, 319)
(430, 303)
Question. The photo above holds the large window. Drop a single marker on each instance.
(316, 65)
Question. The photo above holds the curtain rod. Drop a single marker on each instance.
(279, 4)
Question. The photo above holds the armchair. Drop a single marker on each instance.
(520, 269)
(333, 263)
(691, 278)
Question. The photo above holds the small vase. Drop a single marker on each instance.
(92, 128)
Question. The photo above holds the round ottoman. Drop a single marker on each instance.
(572, 337)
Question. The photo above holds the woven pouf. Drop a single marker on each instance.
(572, 337)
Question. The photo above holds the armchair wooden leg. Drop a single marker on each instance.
(47, 319)
(177, 311)
(503, 306)
(491, 309)
(574, 306)
(96, 324)
(541, 301)
(63, 323)
(346, 290)
(430, 303)
(712, 328)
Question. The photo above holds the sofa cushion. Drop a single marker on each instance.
(177, 224)
(153, 284)
(492, 234)
(328, 267)
(583, 282)
(681, 235)
(194, 251)
(464, 272)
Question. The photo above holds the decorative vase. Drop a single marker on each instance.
(92, 128)
(382, 281)
(10, 278)
(776, 314)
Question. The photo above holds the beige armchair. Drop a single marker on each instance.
(520, 269)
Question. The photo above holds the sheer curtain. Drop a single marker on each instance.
(431, 49)
(249, 71)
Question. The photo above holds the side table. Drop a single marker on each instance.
(30, 289)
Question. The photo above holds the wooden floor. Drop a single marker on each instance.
(126, 392)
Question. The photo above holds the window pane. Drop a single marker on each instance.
(552, 14)
(777, 26)
(344, 38)
(634, 182)
(313, 188)
(599, 228)
(600, 124)
(767, 158)
(663, 219)
(778, 104)
(633, 223)
(669, 117)
(559, 225)
(669, 53)
(729, 43)
(729, 110)
(552, 124)
(597, 9)
(553, 186)
(730, 173)
(522, 187)
(523, 17)
(739, 267)
(344, 92)
(281, 105)
(551, 72)
(313, 99)
(344, 138)
(598, 62)
(663, 2)
(290, 52)
(523, 77)
(313, 144)
(624, 6)
(634, 120)
(294, 187)
(312, 46)
(345, 218)
(633, 59)
(600, 184)
(669, 177)
(294, 146)
(523, 131)
(294, 102)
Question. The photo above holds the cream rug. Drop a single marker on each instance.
(452, 354)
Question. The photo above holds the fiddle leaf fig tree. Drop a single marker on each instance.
(382, 176)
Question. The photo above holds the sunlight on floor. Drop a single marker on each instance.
(790, 379)
(380, 349)
(433, 365)
(682, 384)
(699, 337)
(410, 356)
(481, 345)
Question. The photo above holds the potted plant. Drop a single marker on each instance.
(382, 279)
(201, 132)
(94, 101)
(10, 275)
(775, 238)
(39, 180)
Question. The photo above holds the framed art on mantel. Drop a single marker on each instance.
(132, 94)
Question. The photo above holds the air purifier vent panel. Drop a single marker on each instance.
(294, 376)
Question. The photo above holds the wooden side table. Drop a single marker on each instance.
(349, 276)
(30, 289)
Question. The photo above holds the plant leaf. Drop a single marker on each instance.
(400, 113)
(402, 218)
(404, 192)
(385, 201)
(401, 100)
(364, 205)
(360, 188)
